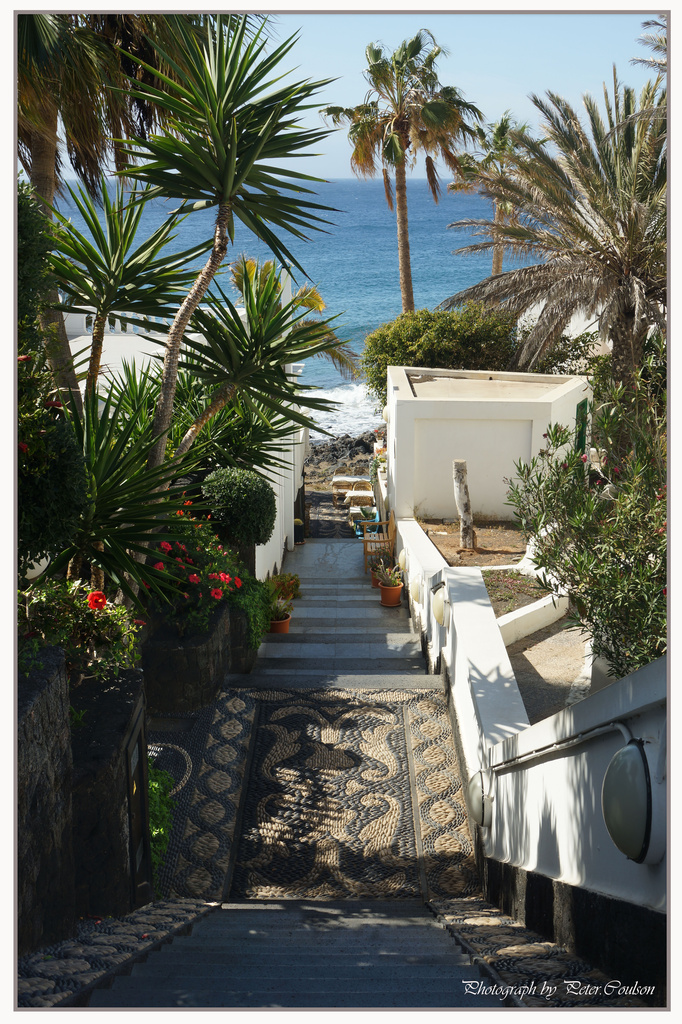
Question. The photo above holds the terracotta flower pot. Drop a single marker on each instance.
(280, 625)
(390, 596)
(375, 579)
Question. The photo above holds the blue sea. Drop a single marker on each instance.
(354, 264)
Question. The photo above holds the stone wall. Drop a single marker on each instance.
(44, 808)
(183, 674)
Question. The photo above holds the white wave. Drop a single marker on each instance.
(355, 412)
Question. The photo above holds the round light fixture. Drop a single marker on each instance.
(416, 589)
(385, 414)
(479, 804)
(402, 559)
(440, 605)
(633, 806)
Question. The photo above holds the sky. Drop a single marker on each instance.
(496, 59)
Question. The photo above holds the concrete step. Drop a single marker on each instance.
(297, 679)
(139, 995)
(341, 666)
(374, 626)
(305, 954)
(319, 649)
(349, 610)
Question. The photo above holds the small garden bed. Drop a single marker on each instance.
(496, 543)
(509, 590)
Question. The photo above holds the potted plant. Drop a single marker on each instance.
(390, 584)
(280, 608)
(374, 562)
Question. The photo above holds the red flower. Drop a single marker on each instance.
(564, 465)
(583, 458)
(616, 470)
(225, 577)
(96, 599)
(189, 561)
(179, 512)
(159, 565)
(139, 622)
(237, 581)
(188, 502)
(214, 576)
(53, 404)
(217, 593)
(24, 359)
(665, 591)
(165, 546)
(23, 447)
(193, 578)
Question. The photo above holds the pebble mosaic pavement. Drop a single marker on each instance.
(219, 746)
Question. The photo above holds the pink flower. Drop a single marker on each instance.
(24, 359)
(583, 458)
(96, 600)
(616, 470)
(193, 578)
(564, 465)
(217, 593)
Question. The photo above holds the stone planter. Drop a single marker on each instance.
(186, 673)
(112, 857)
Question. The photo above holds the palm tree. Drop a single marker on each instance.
(66, 65)
(307, 297)
(406, 112)
(232, 126)
(657, 42)
(595, 214)
(496, 146)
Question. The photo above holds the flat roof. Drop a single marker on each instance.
(426, 385)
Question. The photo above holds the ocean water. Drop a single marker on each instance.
(354, 264)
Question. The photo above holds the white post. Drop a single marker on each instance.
(466, 520)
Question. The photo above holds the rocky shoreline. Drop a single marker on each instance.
(341, 454)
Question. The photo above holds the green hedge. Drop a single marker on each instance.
(474, 337)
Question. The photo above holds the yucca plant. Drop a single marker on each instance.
(249, 360)
(103, 274)
(232, 127)
(120, 518)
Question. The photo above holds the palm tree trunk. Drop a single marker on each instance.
(498, 251)
(404, 267)
(44, 180)
(628, 345)
(164, 408)
(222, 397)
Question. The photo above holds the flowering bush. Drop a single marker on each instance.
(388, 576)
(98, 637)
(203, 572)
(599, 529)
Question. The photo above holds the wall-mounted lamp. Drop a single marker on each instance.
(402, 559)
(633, 803)
(440, 605)
(416, 589)
(480, 802)
(385, 414)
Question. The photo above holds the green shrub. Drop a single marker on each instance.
(473, 337)
(243, 505)
(161, 804)
(600, 532)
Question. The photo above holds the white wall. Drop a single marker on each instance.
(546, 808)
(425, 435)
